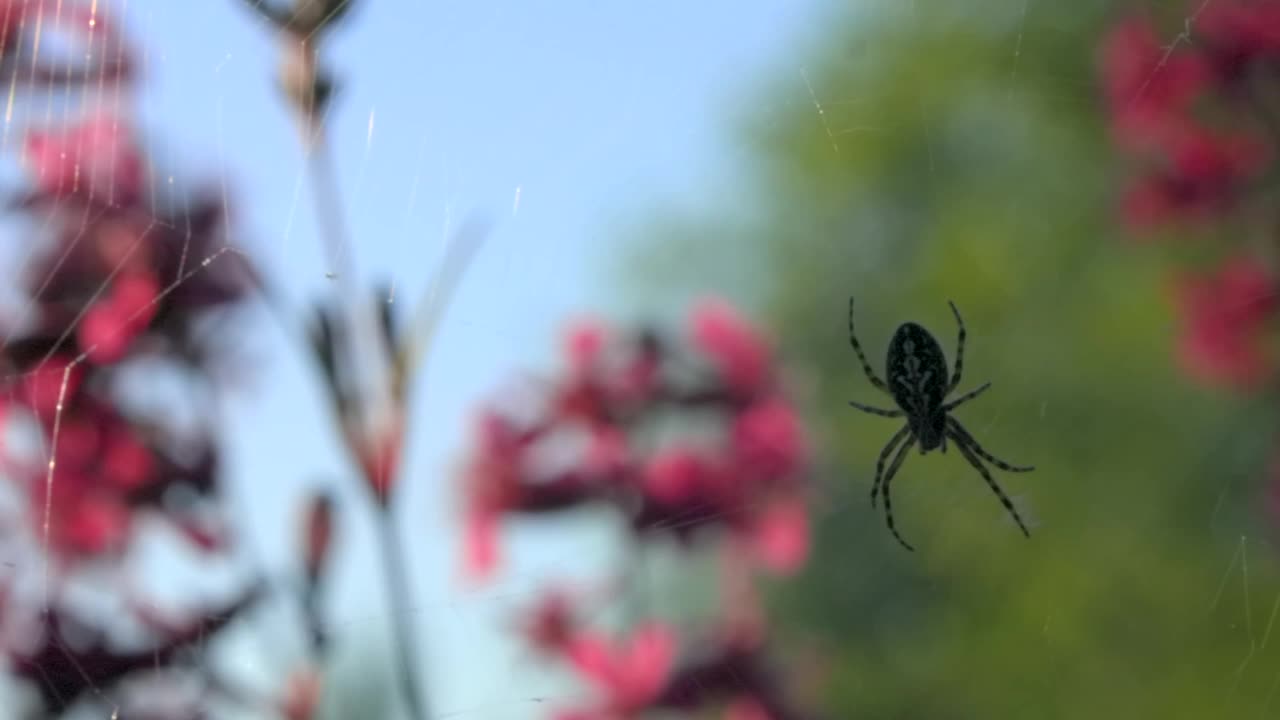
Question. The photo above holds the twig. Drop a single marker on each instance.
(398, 596)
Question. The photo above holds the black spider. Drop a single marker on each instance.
(917, 370)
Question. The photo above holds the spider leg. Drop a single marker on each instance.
(888, 477)
(963, 435)
(884, 455)
(955, 376)
(866, 366)
(876, 410)
(963, 446)
(966, 397)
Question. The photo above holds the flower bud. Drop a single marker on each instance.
(317, 534)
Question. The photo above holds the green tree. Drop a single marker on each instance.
(960, 152)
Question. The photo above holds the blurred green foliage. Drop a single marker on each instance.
(961, 153)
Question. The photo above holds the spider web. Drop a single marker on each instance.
(493, 109)
(1243, 604)
(557, 122)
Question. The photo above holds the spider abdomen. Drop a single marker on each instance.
(916, 372)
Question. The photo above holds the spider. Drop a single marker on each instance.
(917, 369)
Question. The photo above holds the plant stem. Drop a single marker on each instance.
(398, 595)
(331, 222)
(333, 228)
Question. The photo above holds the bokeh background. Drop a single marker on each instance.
(961, 152)
(785, 156)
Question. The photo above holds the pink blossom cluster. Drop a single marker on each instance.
(119, 283)
(744, 476)
(688, 438)
(1197, 118)
(114, 280)
(649, 669)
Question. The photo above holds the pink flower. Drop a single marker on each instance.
(1223, 315)
(110, 327)
(1202, 177)
(44, 385)
(630, 674)
(585, 346)
(780, 536)
(126, 462)
(492, 486)
(1148, 88)
(713, 487)
(608, 454)
(602, 385)
(738, 352)
(105, 472)
(768, 439)
(79, 438)
(100, 462)
(1238, 33)
(480, 544)
(124, 241)
(83, 522)
(582, 399)
(96, 159)
(675, 476)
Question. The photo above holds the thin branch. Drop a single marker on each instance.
(398, 593)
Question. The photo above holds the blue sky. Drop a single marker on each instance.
(592, 110)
